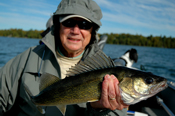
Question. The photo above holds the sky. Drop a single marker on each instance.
(141, 17)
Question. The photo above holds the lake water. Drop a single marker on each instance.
(160, 61)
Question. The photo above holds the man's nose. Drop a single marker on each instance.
(75, 29)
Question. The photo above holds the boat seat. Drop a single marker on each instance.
(154, 111)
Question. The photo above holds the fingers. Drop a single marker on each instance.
(111, 87)
(111, 91)
(110, 96)
(104, 95)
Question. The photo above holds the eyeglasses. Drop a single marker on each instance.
(82, 24)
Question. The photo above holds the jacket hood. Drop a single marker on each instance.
(49, 41)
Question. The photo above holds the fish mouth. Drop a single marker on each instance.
(154, 90)
(159, 87)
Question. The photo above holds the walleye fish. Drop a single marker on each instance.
(83, 83)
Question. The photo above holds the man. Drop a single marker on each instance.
(71, 39)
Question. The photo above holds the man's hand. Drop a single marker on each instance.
(110, 96)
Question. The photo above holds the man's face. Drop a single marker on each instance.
(74, 39)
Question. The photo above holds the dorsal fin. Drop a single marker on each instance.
(94, 62)
(46, 80)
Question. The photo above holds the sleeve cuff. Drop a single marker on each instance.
(96, 112)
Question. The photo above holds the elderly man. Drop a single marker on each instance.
(71, 39)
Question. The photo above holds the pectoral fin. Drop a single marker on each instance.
(40, 109)
(62, 109)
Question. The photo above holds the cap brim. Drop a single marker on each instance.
(63, 18)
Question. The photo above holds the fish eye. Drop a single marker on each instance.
(149, 80)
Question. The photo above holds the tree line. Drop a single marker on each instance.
(21, 33)
(113, 38)
(139, 40)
